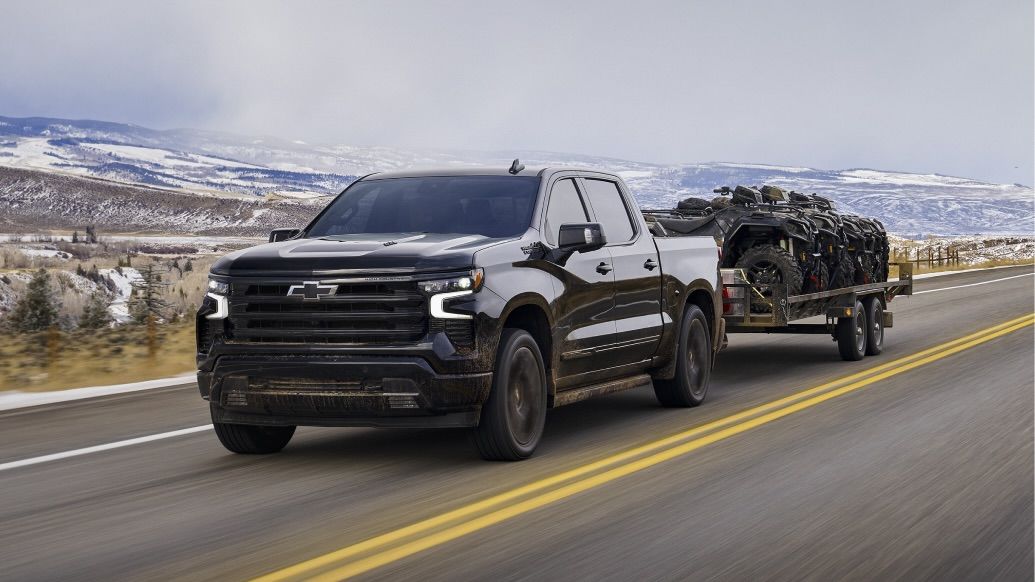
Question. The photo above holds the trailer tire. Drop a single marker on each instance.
(693, 363)
(851, 334)
(514, 415)
(874, 325)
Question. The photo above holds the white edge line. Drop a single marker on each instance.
(972, 284)
(962, 271)
(18, 399)
(104, 447)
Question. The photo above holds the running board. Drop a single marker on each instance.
(580, 394)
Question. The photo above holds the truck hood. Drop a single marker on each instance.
(356, 254)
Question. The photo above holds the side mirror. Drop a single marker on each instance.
(279, 234)
(581, 237)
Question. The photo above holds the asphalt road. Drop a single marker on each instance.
(922, 469)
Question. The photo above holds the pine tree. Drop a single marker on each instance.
(38, 308)
(147, 302)
(75, 236)
(188, 266)
(95, 312)
(148, 306)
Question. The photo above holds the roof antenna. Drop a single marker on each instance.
(516, 167)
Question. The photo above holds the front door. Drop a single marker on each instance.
(583, 327)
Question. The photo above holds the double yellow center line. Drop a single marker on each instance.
(401, 543)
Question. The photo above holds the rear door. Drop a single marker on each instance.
(584, 290)
(637, 308)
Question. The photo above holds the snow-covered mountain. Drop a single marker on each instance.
(226, 165)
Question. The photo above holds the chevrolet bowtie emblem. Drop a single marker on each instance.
(311, 290)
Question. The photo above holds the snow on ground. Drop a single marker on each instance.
(203, 241)
(124, 281)
(164, 157)
(974, 249)
(44, 252)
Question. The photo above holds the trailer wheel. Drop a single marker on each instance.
(874, 325)
(693, 364)
(851, 334)
(514, 415)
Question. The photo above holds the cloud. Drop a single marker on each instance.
(927, 86)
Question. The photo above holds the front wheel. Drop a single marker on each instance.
(693, 366)
(514, 415)
(247, 439)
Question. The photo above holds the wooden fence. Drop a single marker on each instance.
(931, 257)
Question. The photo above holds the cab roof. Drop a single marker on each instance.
(531, 171)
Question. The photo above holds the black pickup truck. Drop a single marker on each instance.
(456, 298)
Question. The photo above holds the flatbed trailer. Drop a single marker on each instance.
(856, 316)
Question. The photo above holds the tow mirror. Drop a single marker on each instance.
(279, 234)
(581, 237)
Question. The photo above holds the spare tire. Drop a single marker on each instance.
(769, 265)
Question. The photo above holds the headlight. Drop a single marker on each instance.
(218, 287)
(218, 290)
(444, 289)
(471, 283)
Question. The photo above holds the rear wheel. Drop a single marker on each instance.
(513, 416)
(693, 366)
(874, 325)
(851, 334)
(247, 439)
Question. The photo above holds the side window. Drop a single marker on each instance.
(565, 208)
(610, 210)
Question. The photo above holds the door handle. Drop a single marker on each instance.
(650, 265)
(603, 268)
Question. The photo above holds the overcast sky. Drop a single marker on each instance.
(922, 86)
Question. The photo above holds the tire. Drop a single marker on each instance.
(851, 334)
(247, 439)
(874, 325)
(845, 276)
(769, 265)
(693, 366)
(864, 274)
(514, 415)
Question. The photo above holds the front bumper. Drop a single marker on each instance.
(341, 391)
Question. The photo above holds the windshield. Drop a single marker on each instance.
(492, 206)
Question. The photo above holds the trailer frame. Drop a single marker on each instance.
(782, 311)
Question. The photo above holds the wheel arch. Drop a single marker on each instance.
(701, 293)
(532, 313)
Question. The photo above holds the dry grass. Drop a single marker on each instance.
(58, 360)
(962, 267)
